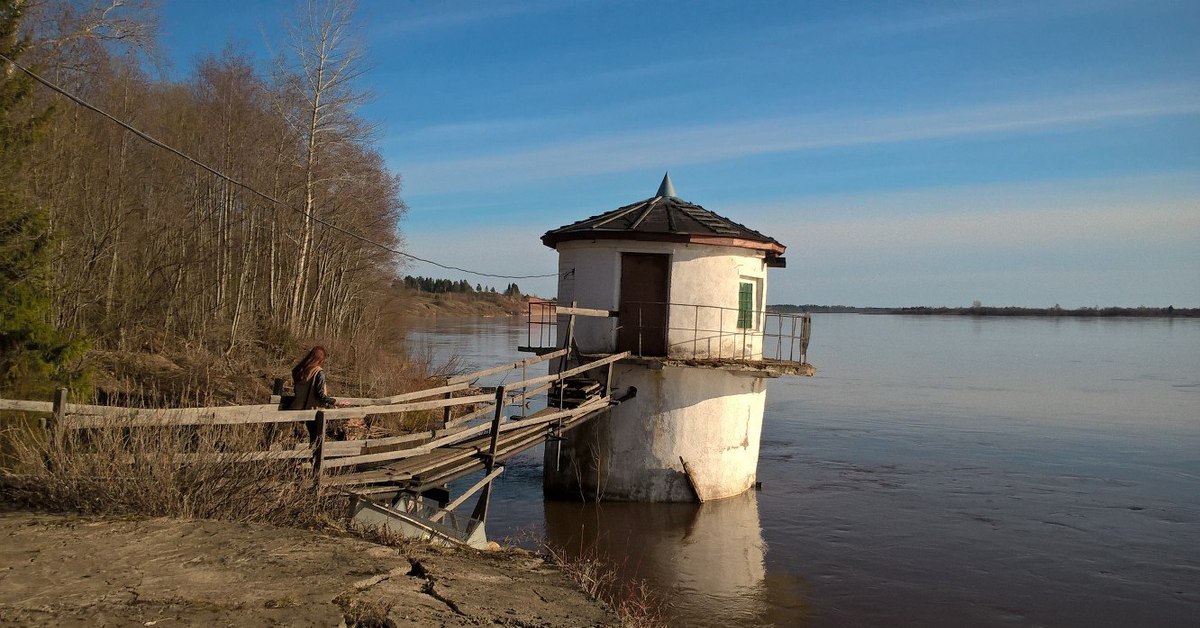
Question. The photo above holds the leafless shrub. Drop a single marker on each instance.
(410, 372)
(631, 599)
(364, 613)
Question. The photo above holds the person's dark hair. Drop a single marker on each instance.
(307, 367)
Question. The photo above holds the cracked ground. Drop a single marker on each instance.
(75, 571)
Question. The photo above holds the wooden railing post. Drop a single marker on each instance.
(481, 507)
(60, 413)
(319, 448)
(446, 411)
(276, 398)
(496, 418)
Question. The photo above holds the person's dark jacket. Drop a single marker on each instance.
(311, 394)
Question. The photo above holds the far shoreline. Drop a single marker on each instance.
(988, 311)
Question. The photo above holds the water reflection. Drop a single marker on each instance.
(712, 556)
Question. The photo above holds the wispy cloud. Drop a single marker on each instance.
(736, 139)
(1138, 210)
(1020, 228)
(1126, 240)
(454, 14)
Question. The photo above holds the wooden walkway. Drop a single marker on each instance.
(386, 471)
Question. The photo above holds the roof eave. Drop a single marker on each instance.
(552, 239)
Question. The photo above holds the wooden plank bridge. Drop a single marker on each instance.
(400, 481)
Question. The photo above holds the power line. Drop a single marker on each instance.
(148, 138)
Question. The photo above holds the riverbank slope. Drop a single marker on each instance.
(85, 571)
(418, 303)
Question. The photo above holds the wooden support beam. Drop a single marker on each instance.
(459, 436)
(496, 419)
(488, 409)
(539, 419)
(573, 310)
(512, 447)
(473, 452)
(687, 471)
(441, 514)
(583, 368)
(481, 507)
(467, 377)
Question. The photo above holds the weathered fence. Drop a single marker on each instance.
(401, 467)
(341, 456)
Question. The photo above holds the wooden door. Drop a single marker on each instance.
(643, 311)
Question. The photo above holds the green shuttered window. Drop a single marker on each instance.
(745, 305)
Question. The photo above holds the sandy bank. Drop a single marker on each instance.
(76, 571)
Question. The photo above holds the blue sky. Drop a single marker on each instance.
(1025, 153)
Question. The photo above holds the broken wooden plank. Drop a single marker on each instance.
(583, 368)
(507, 367)
(687, 472)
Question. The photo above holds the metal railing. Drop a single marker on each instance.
(688, 331)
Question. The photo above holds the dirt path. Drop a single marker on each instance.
(72, 571)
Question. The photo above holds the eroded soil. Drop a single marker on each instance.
(75, 571)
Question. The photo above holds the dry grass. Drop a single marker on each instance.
(200, 472)
(635, 604)
(360, 613)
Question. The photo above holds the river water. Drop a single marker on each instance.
(937, 471)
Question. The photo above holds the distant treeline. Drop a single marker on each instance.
(827, 309)
(462, 286)
(983, 310)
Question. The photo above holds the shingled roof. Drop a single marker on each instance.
(665, 218)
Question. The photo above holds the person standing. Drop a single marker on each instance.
(308, 382)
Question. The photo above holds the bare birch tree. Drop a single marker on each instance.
(325, 61)
(151, 251)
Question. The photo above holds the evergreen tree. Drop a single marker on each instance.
(34, 354)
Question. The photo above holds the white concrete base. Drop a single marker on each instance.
(710, 418)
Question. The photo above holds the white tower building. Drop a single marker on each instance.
(687, 290)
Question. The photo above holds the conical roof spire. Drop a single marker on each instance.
(666, 189)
